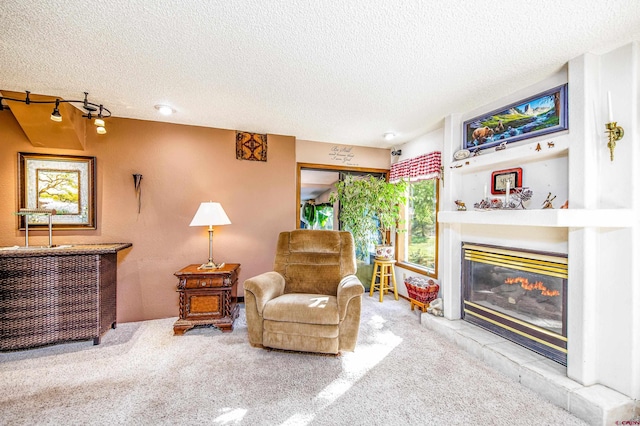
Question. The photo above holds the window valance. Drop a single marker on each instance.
(424, 167)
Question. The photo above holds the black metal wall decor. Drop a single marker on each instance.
(137, 181)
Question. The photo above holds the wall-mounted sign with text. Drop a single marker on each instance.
(343, 155)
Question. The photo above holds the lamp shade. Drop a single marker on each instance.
(210, 214)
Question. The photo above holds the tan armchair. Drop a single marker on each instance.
(311, 301)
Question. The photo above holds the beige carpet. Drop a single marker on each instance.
(400, 374)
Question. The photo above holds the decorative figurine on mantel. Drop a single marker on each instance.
(461, 206)
(547, 204)
(521, 195)
(489, 204)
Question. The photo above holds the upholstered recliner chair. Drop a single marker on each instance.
(311, 301)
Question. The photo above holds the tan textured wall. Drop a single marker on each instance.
(181, 167)
(342, 155)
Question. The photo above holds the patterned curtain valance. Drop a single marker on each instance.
(424, 167)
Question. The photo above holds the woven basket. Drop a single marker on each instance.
(421, 289)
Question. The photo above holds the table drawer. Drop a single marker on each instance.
(208, 281)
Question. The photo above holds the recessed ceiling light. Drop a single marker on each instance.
(164, 109)
(389, 135)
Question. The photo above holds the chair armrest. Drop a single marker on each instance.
(349, 287)
(265, 287)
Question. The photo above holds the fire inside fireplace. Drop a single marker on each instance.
(518, 294)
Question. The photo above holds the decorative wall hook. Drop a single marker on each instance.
(137, 180)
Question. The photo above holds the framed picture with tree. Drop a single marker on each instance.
(61, 184)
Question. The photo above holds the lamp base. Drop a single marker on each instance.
(211, 265)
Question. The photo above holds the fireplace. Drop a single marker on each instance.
(519, 294)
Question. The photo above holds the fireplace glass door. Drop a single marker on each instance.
(518, 294)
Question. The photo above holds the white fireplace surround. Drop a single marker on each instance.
(600, 232)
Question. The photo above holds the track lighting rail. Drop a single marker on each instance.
(92, 110)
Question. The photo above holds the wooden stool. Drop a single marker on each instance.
(383, 269)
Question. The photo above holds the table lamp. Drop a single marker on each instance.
(210, 214)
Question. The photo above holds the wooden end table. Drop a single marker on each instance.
(207, 297)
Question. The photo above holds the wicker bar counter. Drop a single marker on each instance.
(59, 294)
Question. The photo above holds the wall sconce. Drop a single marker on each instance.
(97, 111)
(615, 132)
(396, 152)
(137, 180)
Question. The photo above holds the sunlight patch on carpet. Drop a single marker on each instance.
(230, 416)
(355, 365)
(376, 322)
(299, 419)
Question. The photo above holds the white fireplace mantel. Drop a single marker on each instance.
(557, 218)
(601, 227)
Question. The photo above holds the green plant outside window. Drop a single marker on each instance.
(421, 239)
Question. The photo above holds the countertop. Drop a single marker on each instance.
(62, 250)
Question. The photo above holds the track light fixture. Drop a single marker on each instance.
(92, 110)
(55, 115)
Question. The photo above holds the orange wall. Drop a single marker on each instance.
(182, 166)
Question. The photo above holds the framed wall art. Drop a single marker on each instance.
(537, 115)
(251, 146)
(63, 183)
(500, 178)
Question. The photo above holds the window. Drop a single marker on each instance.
(418, 246)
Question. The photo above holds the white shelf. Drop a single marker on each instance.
(514, 155)
(560, 218)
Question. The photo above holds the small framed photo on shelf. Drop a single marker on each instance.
(500, 178)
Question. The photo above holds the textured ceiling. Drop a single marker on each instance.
(331, 71)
